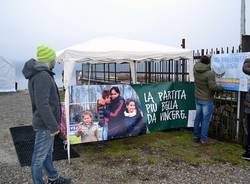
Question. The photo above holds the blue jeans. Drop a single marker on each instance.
(204, 111)
(42, 157)
(105, 132)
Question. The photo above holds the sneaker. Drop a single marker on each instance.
(204, 143)
(245, 156)
(60, 180)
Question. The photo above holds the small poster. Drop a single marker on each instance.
(228, 71)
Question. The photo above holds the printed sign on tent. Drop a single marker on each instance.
(167, 105)
(104, 112)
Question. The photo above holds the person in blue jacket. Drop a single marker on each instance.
(46, 114)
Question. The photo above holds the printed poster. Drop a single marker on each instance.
(105, 112)
(228, 70)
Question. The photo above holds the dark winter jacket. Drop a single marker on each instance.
(114, 113)
(204, 80)
(44, 96)
(246, 70)
(134, 123)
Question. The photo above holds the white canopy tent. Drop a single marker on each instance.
(116, 50)
(7, 76)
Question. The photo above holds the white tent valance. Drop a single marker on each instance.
(117, 50)
(110, 48)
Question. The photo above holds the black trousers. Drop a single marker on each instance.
(248, 133)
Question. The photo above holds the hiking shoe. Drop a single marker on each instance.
(245, 156)
(196, 140)
(208, 142)
(60, 180)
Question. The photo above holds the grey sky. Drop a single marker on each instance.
(62, 23)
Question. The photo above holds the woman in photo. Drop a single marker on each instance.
(114, 112)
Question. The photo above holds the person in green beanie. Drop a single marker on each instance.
(46, 114)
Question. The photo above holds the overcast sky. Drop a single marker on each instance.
(24, 24)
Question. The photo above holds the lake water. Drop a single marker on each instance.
(23, 83)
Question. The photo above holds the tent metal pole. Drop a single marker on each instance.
(89, 74)
(242, 32)
(66, 99)
(67, 120)
(133, 68)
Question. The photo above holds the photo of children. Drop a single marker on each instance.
(133, 119)
(86, 129)
(109, 112)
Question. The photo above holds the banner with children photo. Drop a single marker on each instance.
(105, 112)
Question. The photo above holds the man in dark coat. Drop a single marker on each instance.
(246, 70)
(46, 114)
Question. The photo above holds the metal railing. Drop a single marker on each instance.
(223, 124)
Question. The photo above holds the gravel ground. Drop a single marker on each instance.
(15, 110)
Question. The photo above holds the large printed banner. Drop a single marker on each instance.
(104, 112)
(228, 70)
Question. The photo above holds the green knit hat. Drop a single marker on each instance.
(45, 54)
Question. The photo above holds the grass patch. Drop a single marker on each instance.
(74, 139)
(155, 147)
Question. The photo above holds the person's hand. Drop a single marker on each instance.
(55, 133)
(79, 129)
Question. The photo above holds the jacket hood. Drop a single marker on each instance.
(201, 67)
(32, 67)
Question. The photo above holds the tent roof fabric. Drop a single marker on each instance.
(110, 50)
(117, 50)
(3, 60)
(7, 76)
